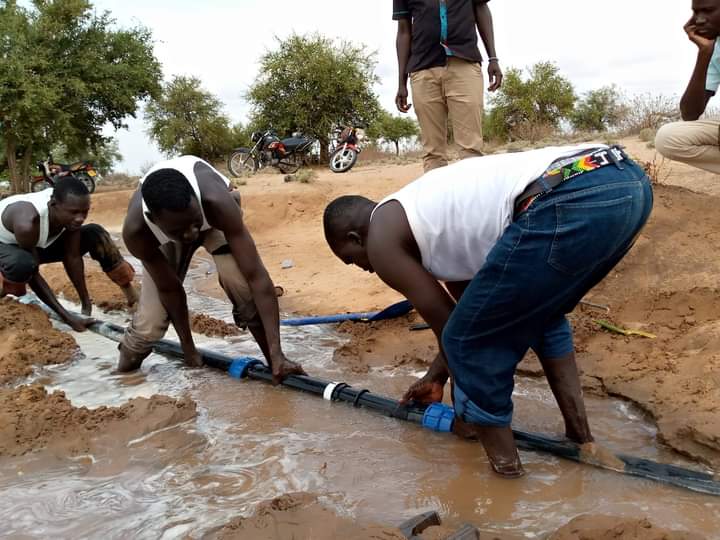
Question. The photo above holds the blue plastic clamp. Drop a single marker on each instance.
(240, 366)
(439, 417)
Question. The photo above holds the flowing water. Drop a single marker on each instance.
(252, 442)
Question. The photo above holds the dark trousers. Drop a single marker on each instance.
(545, 262)
(18, 265)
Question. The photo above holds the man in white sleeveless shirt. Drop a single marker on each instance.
(182, 204)
(47, 227)
(518, 239)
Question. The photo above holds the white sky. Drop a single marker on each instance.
(639, 45)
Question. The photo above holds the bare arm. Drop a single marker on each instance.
(24, 223)
(75, 268)
(484, 22)
(696, 97)
(223, 213)
(402, 45)
(394, 262)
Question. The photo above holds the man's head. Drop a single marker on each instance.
(70, 203)
(172, 205)
(706, 14)
(346, 222)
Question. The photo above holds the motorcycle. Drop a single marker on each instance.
(52, 172)
(270, 151)
(346, 149)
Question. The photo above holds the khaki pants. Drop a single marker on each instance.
(696, 143)
(151, 321)
(454, 92)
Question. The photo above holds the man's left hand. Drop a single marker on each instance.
(282, 367)
(495, 75)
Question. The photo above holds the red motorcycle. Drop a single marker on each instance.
(269, 150)
(52, 172)
(346, 149)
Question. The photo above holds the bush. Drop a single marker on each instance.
(599, 110)
(647, 134)
(648, 111)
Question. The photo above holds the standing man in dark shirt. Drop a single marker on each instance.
(437, 48)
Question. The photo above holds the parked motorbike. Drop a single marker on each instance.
(51, 172)
(270, 151)
(346, 149)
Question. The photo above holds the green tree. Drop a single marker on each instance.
(66, 71)
(544, 98)
(186, 119)
(599, 110)
(391, 128)
(310, 84)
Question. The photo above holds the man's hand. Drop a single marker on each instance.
(79, 324)
(424, 390)
(495, 75)
(282, 367)
(86, 308)
(401, 100)
(193, 359)
(703, 43)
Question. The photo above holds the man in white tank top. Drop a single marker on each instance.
(517, 239)
(182, 204)
(46, 227)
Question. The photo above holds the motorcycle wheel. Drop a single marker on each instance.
(241, 163)
(342, 160)
(290, 165)
(88, 180)
(37, 187)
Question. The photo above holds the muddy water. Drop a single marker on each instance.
(252, 442)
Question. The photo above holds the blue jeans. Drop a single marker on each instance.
(565, 243)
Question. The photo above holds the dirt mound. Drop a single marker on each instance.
(299, 516)
(103, 292)
(385, 344)
(591, 527)
(209, 326)
(27, 339)
(31, 419)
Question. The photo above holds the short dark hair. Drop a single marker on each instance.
(67, 186)
(167, 189)
(341, 213)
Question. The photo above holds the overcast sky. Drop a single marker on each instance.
(639, 45)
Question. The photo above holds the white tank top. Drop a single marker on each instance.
(457, 213)
(40, 202)
(186, 166)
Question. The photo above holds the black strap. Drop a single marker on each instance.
(361, 393)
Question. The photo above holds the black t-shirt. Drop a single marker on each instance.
(440, 28)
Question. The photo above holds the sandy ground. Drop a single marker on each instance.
(27, 339)
(31, 420)
(667, 286)
(611, 528)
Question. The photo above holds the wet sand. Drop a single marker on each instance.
(666, 286)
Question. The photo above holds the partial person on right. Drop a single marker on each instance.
(693, 141)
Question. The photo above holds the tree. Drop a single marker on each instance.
(599, 110)
(65, 73)
(544, 99)
(391, 128)
(189, 120)
(310, 84)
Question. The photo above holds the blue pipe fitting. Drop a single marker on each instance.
(439, 417)
(239, 367)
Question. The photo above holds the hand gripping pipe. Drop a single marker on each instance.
(436, 417)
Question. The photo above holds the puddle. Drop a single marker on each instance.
(252, 442)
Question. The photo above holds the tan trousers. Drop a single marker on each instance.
(696, 143)
(454, 92)
(151, 321)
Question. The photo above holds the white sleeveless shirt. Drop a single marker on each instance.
(186, 166)
(40, 201)
(459, 212)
